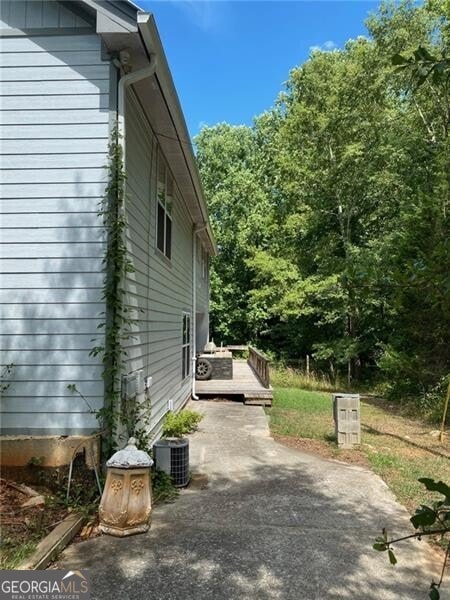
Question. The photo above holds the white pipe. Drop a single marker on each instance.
(124, 82)
(196, 230)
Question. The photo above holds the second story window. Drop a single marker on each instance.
(164, 209)
(204, 263)
(202, 259)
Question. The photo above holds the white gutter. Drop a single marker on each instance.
(195, 231)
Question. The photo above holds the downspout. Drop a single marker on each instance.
(195, 231)
(124, 82)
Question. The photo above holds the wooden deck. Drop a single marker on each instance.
(244, 383)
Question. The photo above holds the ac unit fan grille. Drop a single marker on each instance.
(179, 465)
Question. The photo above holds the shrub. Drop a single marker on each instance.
(163, 489)
(179, 424)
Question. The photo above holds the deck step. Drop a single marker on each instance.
(258, 400)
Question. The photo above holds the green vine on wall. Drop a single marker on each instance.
(4, 376)
(117, 417)
(116, 264)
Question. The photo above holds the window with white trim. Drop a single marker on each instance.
(186, 346)
(204, 263)
(165, 191)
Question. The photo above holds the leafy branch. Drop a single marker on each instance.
(434, 71)
(431, 520)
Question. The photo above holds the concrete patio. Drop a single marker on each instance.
(272, 523)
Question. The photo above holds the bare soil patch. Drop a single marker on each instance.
(23, 527)
(323, 448)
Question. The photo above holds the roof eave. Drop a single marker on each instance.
(150, 36)
(123, 26)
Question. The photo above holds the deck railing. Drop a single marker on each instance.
(260, 365)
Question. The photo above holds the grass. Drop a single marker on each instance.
(13, 555)
(300, 413)
(282, 376)
(400, 450)
(286, 377)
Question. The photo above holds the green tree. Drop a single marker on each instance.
(331, 212)
(237, 205)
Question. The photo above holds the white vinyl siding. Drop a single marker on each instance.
(54, 101)
(159, 290)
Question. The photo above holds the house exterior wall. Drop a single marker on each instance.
(202, 296)
(38, 14)
(160, 289)
(54, 130)
(57, 109)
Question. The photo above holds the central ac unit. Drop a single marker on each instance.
(171, 455)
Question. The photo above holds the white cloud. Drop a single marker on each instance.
(329, 45)
(325, 47)
(208, 15)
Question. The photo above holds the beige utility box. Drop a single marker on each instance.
(347, 419)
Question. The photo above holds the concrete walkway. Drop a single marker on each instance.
(273, 523)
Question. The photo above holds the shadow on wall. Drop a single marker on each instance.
(272, 535)
(51, 308)
(54, 146)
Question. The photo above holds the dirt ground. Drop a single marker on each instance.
(324, 449)
(23, 527)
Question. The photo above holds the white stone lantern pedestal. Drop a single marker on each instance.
(125, 507)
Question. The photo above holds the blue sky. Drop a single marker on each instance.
(229, 60)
